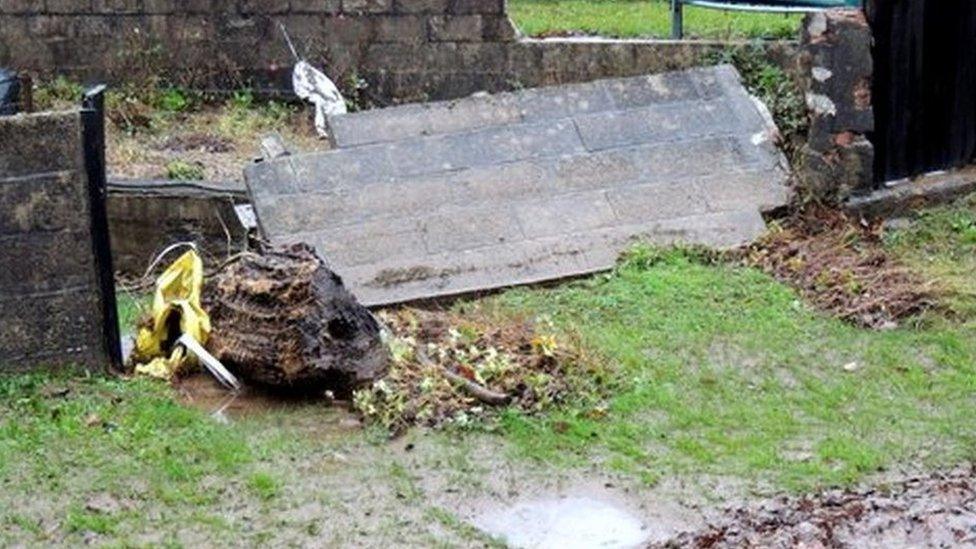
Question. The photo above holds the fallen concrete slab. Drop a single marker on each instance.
(485, 192)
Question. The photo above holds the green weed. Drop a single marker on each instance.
(185, 171)
(264, 485)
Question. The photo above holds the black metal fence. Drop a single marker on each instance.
(924, 85)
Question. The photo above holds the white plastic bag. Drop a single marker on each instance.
(315, 87)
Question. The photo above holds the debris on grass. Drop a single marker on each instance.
(934, 511)
(449, 368)
(841, 265)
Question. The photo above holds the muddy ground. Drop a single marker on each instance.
(472, 492)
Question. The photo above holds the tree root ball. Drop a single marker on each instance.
(282, 319)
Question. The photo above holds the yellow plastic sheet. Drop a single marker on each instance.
(176, 310)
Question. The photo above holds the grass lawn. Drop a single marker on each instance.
(644, 18)
(722, 372)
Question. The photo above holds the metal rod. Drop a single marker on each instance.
(291, 45)
(677, 20)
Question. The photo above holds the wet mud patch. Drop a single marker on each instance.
(842, 267)
(309, 414)
(938, 510)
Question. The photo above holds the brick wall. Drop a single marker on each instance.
(49, 294)
(405, 49)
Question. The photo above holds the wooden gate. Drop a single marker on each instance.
(925, 85)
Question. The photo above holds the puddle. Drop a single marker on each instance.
(205, 393)
(566, 523)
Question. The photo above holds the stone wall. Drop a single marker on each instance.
(49, 291)
(147, 216)
(835, 65)
(404, 49)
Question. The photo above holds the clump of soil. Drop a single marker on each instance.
(841, 266)
(934, 511)
(447, 368)
(283, 320)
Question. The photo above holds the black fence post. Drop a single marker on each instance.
(93, 130)
(677, 20)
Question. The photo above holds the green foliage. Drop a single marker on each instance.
(644, 18)
(355, 90)
(180, 170)
(174, 100)
(777, 89)
(241, 100)
(59, 93)
(941, 243)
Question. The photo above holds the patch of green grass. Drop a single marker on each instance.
(645, 18)
(264, 485)
(130, 308)
(82, 520)
(941, 243)
(465, 531)
(185, 171)
(725, 371)
(128, 438)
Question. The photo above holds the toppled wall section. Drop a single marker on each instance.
(52, 302)
(447, 198)
(406, 50)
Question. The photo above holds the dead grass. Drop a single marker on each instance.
(220, 138)
(153, 127)
(841, 266)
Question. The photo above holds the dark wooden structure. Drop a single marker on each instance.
(924, 85)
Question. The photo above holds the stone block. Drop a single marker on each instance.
(21, 7)
(469, 228)
(317, 7)
(43, 203)
(367, 6)
(421, 6)
(565, 215)
(51, 331)
(455, 28)
(657, 201)
(52, 148)
(116, 7)
(491, 7)
(647, 124)
(408, 29)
